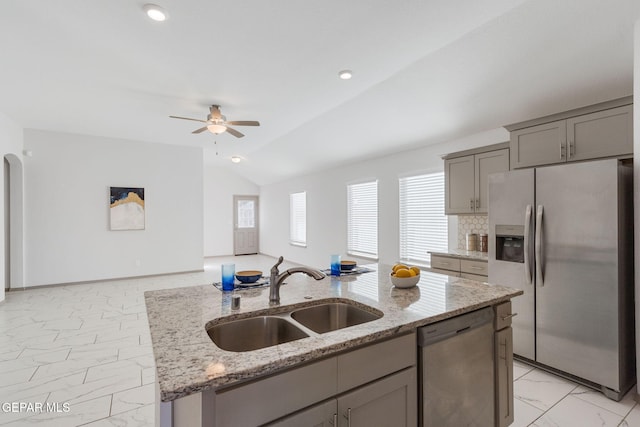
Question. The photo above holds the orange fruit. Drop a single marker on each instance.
(398, 266)
(416, 270)
(404, 272)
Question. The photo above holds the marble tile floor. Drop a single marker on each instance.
(85, 350)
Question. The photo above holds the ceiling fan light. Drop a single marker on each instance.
(217, 129)
(155, 12)
(236, 159)
(345, 74)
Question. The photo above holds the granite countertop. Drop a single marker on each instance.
(461, 253)
(188, 362)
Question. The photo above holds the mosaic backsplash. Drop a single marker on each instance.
(478, 224)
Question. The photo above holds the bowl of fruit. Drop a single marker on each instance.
(404, 276)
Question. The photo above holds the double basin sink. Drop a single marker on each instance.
(260, 331)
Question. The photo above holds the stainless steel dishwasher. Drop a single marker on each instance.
(457, 370)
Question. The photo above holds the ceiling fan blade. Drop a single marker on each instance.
(215, 112)
(244, 123)
(234, 132)
(200, 130)
(187, 118)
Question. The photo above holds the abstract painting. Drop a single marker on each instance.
(126, 208)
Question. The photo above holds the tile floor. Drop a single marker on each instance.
(88, 346)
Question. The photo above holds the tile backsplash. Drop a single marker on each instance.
(478, 224)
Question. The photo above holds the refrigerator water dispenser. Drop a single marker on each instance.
(510, 243)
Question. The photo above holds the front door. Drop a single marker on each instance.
(245, 227)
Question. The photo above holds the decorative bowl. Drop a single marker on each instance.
(404, 282)
(248, 276)
(347, 265)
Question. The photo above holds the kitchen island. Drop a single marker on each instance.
(191, 369)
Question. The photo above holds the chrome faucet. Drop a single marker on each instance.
(277, 278)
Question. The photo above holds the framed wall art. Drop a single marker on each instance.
(126, 208)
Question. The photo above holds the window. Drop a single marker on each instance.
(362, 221)
(423, 224)
(298, 219)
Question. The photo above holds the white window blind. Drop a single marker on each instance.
(362, 221)
(298, 218)
(423, 224)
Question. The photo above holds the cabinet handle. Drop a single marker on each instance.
(349, 417)
(508, 316)
(572, 149)
(471, 204)
(473, 267)
(562, 150)
(477, 203)
(335, 419)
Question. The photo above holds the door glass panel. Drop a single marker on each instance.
(246, 214)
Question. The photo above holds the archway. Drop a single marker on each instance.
(13, 222)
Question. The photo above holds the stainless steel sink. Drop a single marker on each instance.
(254, 333)
(332, 316)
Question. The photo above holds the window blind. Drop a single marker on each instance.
(423, 224)
(362, 221)
(298, 219)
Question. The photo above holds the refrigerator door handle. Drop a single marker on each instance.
(538, 246)
(527, 237)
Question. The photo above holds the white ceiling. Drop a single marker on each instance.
(425, 71)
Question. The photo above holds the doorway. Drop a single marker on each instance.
(245, 225)
(13, 240)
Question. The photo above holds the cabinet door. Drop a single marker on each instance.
(322, 415)
(602, 134)
(504, 377)
(539, 145)
(445, 263)
(390, 402)
(486, 164)
(459, 185)
(255, 403)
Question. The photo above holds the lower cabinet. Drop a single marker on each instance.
(391, 401)
(504, 377)
(371, 385)
(321, 415)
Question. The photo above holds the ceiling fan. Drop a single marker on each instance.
(217, 123)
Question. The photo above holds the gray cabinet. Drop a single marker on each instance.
(356, 382)
(504, 364)
(466, 181)
(539, 145)
(472, 269)
(391, 401)
(607, 133)
(322, 415)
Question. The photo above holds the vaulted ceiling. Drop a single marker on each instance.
(425, 71)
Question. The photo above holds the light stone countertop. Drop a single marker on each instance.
(461, 253)
(188, 362)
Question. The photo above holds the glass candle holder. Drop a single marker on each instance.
(228, 276)
(335, 265)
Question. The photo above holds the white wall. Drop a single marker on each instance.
(10, 144)
(67, 180)
(326, 202)
(220, 185)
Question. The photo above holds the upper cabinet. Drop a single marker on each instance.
(604, 133)
(466, 177)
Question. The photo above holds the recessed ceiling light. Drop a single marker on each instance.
(236, 159)
(155, 12)
(345, 74)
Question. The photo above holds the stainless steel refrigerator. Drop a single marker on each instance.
(564, 234)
